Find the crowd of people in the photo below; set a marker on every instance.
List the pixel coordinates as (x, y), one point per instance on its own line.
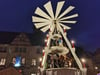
(58, 61)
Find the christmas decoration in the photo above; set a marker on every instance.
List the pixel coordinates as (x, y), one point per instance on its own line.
(57, 43)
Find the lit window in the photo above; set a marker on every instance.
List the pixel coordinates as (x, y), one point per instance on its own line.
(33, 74)
(13, 60)
(23, 60)
(3, 61)
(17, 61)
(34, 62)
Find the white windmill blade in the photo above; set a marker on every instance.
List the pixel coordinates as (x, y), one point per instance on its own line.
(73, 22)
(69, 17)
(38, 19)
(44, 29)
(49, 9)
(59, 7)
(70, 8)
(42, 13)
(64, 26)
(39, 25)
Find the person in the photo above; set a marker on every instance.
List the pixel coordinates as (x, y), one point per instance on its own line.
(52, 61)
(48, 60)
(61, 61)
(66, 61)
(60, 42)
(56, 60)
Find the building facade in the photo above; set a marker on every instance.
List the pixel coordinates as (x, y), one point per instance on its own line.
(17, 50)
(96, 59)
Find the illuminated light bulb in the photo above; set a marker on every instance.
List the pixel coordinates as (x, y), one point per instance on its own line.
(65, 29)
(73, 42)
(83, 62)
(40, 59)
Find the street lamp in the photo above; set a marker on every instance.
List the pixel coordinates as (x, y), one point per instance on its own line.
(83, 62)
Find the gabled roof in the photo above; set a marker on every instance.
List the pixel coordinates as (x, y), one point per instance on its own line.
(36, 38)
(7, 37)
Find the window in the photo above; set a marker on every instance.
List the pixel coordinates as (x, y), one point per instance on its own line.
(3, 49)
(16, 49)
(13, 60)
(3, 61)
(33, 74)
(24, 50)
(23, 61)
(33, 62)
(17, 61)
(20, 50)
(38, 51)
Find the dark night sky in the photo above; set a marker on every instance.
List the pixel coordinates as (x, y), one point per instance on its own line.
(15, 16)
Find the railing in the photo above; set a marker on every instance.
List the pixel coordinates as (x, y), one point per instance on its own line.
(63, 71)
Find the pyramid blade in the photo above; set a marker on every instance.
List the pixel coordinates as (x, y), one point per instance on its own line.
(69, 17)
(41, 13)
(64, 26)
(49, 9)
(59, 7)
(38, 19)
(44, 29)
(73, 22)
(39, 25)
(70, 8)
